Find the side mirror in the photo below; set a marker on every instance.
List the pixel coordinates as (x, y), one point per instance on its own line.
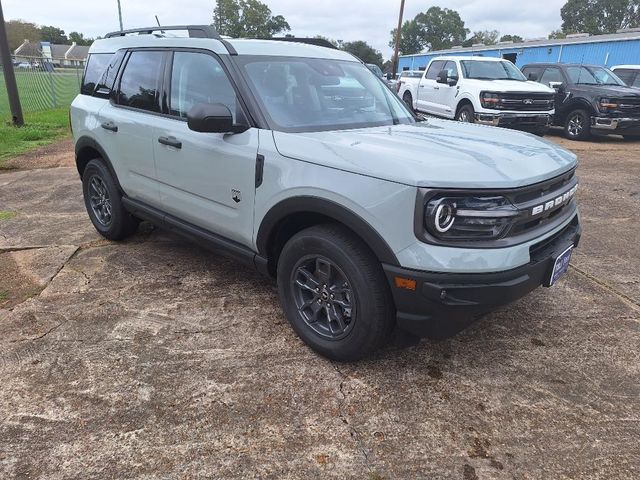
(212, 118)
(556, 85)
(533, 77)
(442, 76)
(452, 81)
(389, 76)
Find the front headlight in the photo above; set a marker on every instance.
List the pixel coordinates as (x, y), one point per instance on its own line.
(608, 104)
(489, 100)
(468, 218)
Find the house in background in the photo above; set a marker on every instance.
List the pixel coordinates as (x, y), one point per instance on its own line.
(59, 55)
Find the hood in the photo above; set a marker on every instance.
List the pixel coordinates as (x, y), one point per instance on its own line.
(433, 153)
(508, 86)
(617, 91)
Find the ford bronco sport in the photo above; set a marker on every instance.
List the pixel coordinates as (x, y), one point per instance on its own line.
(297, 160)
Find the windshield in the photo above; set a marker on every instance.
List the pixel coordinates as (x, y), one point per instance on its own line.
(479, 70)
(313, 94)
(593, 76)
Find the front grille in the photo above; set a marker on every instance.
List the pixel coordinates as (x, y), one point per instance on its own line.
(526, 102)
(629, 106)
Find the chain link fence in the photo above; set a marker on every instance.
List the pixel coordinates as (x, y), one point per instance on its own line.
(43, 83)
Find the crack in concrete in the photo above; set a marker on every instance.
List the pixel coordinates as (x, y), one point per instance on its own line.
(634, 304)
(353, 432)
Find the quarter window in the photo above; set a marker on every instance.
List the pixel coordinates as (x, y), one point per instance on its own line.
(199, 78)
(96, 65)
(141, 80)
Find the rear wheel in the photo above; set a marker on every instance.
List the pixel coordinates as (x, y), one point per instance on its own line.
(576, 125)
(466, 114)
(408, 100)
(334, 293)
(103, 201)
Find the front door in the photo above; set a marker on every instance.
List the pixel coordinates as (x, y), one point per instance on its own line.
(207, 179)
(445, 95)
(428, 88)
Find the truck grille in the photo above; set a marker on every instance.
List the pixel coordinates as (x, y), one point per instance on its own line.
(526, 102)
(629, 106)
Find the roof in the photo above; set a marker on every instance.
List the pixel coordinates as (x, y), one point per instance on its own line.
(626, 67)
(243, 46)
(469, 57)
(77, 52)
(542, 42)
(58, 51)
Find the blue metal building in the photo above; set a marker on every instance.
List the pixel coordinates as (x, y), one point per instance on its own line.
(622, 48)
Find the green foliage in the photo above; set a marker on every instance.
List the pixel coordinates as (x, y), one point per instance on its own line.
(40, 128)
(556, 34)
(79, 39)
(487, 37)
(6, 215)
(19, 30)
(436, 29)
(247, 19)
(511, 38)
(53, 34)
(364, 52)
(599, 16)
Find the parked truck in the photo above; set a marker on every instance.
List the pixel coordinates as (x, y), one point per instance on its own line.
(484, 90)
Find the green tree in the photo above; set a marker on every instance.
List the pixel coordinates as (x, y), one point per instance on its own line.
(599, 16)
(364, 52)
(436, 29)
(79, 39)
(487, 37)
(511, 38)
(557, 34)
(411, 38)
(53, 34)
(248, 19)
(18, 31)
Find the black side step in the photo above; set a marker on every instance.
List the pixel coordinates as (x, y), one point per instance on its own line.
(209, 240)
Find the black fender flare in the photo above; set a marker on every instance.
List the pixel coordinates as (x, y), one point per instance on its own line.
(326, 208)
(88, 142)
(576, 103)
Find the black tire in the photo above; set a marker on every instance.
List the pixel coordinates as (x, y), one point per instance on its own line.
(103, 202)
(408, 100)
(466, 114)
(355, 277)
(577, 125)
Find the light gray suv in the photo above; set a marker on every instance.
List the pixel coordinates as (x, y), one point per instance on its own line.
(297, 160)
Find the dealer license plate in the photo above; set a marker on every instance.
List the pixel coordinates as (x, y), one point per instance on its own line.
(560, 266)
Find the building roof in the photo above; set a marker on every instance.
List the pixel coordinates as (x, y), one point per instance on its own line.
(632, 34)
(58, 51)
(77, 52)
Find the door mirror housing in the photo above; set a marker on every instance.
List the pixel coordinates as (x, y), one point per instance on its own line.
(443, 77)
(212, 118)
(389, 76)
(557, 85)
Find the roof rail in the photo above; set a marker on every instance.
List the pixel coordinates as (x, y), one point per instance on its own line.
(318, 42)
(195, 31)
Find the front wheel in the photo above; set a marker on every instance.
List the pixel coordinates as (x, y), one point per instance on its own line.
(334, 293)
(577, 125)
(466, 114)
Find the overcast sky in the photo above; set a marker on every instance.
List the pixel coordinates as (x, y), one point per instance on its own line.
(369, 20)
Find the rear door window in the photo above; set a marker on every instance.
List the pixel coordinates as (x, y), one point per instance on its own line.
(141, 81)
(96, 65)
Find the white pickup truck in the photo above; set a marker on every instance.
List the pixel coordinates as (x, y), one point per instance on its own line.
(491, 91)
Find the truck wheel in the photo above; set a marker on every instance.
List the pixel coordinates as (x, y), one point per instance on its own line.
(104, 202)
(466, 114)
(334, 293)
(576, 125)
(408, 99)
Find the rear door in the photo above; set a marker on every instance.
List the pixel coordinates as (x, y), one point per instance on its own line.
(428, 88)
(206, 179)
(127, 123)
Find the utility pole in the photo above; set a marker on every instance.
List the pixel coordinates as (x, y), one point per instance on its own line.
(398, 33)
(120, 15)
(9, 75)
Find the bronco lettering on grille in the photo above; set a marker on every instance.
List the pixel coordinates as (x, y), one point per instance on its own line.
(560, 200)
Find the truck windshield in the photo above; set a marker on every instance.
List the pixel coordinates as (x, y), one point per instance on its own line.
(314, 94)
(488, 70)
(593, 76)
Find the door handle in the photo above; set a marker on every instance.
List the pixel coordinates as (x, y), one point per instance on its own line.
(112, 127)
(436, 88)
(170, 141)
(421, 86)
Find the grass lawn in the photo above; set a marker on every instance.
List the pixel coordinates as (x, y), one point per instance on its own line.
(40, 128)
(42, 90)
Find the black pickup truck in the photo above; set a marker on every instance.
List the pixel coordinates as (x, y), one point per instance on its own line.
(589, 100)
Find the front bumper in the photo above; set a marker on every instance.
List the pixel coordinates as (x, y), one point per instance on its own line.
(443, 304)
(520, 121)
(622, 126)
